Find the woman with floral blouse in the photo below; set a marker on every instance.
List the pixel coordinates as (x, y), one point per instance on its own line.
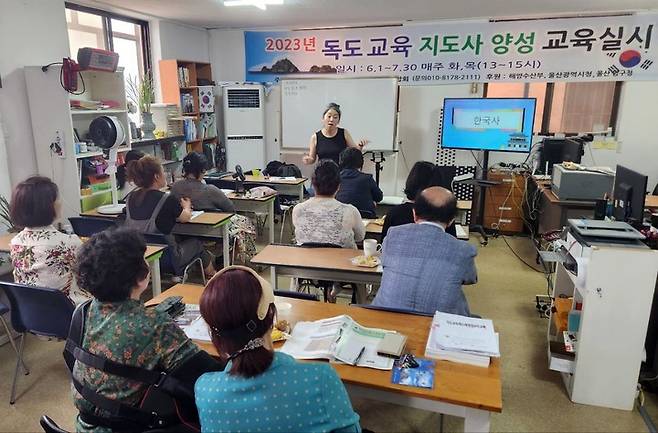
(41, 255)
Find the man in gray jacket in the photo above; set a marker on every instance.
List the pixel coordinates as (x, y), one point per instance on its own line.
(424, 267)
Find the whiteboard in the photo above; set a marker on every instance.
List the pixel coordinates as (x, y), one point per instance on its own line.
(368, 109)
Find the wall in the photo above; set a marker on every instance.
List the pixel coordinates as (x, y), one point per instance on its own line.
(40, 28)
(637, 132)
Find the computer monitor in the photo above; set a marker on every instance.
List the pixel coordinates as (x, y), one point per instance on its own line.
(629, 194)
(496, 124)
(557, 150)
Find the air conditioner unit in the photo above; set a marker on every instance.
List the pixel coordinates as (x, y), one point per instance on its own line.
(244, 126)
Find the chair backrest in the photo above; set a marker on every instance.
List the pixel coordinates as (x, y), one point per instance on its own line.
(50, 426)
(319, 245)
(221, 183)
(166, 260)
(39, 310)
(84, 226)
(296, 295)
(393, 310)
(655, 190)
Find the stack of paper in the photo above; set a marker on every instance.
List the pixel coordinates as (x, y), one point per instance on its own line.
(462, 339)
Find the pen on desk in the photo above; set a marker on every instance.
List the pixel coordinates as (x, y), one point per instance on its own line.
(358, 357)
(340, 334)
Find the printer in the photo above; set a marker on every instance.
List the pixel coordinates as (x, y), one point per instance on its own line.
(573, 182)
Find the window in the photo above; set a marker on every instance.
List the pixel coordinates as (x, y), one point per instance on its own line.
(569, 108)
(126, 36)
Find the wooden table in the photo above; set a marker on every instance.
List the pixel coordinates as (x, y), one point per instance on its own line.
(331, 264)
(651, 202)
(283, 186)
(152, 257)
(553, 212)
(243, 203)
(208, 224)
(459, 390)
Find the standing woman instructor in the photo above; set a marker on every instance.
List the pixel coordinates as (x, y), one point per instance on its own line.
(331, 140)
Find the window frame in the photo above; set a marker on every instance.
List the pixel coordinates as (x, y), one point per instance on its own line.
(108, 35)
(548, 105)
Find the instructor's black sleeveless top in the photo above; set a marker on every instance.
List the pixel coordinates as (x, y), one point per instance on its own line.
(330, 148)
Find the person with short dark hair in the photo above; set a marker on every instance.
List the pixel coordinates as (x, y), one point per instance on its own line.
(357, 188)
(124, 185)
(260, 389)
(424, 267)
(40, 254)
(423, 174)
(322, 218)
(117, 327)
(329, 141)
(149, 210)
(202, 195)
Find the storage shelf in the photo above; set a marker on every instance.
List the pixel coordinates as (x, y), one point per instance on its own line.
(75, 112)
(167, 162)
(99, 153)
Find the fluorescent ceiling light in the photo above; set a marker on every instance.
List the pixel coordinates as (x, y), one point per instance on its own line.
(260, 4)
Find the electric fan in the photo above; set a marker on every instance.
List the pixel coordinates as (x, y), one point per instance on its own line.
(108, 134)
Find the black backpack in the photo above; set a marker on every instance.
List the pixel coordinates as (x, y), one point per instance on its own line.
(289, 170)
(272, 168)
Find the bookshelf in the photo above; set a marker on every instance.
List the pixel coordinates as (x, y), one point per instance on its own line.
(80, 176)
(190, 86)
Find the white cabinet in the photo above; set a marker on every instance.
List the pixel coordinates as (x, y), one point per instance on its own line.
(53, 121)
(615, 285)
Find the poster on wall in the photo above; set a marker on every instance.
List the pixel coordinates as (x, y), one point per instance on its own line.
(612, 48)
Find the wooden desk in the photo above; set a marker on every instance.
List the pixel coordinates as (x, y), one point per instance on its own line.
(285, 187)
(152, 256)
(331, 264)
(553, 212)
(651, 202)
(209, 224)
(256, 205)
(459, 390)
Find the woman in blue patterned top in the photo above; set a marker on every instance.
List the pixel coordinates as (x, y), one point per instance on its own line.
(261, 390)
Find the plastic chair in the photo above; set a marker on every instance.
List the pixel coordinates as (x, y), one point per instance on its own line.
(37, 310)
(50, 426)
(83, 226)
(4, 309)
(296, 295)
(167, 260)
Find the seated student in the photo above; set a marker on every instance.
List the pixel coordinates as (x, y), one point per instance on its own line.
(422, 175)
(149, 210)
(323, 219)
(209, 197)
(357, 188)
(117, 327)
(40, 254)
(125, 185)
(203, 196)
(424, 267)
(260, 389)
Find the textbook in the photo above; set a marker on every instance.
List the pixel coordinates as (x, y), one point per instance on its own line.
(339, 339)
(462, 339)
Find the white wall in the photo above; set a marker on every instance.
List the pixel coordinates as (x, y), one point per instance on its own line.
(637, 132)
(32, 32)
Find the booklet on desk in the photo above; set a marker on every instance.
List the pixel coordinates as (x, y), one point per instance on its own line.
(339, 339)
(462, 339)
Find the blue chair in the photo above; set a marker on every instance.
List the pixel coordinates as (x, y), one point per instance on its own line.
(39, 311)
(86, 227)
(167, 260)
(296, 295)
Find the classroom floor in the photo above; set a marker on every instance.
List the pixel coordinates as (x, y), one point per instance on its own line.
(534, 398)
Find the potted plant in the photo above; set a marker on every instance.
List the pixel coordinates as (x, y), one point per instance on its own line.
(5, 222)
(140, 93)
